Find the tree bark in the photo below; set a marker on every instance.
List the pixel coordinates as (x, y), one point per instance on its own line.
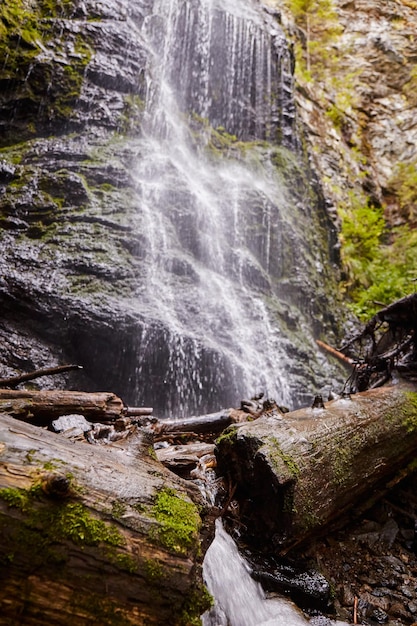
(295, 474)
(94, 534)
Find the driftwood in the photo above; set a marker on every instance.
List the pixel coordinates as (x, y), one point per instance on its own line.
(297, 473)
(183, 459)
(387, 343)
(214, 423)
(202, 424)
(41, 407)
(94, 535)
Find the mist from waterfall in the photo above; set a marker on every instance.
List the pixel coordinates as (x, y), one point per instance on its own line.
(214, 212)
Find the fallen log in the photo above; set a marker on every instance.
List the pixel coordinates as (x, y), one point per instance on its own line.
(41, 407)
(210, 423)
(295, 474)
(94, 535)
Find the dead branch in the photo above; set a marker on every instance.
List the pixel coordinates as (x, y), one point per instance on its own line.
(13, 381)
(336, 353)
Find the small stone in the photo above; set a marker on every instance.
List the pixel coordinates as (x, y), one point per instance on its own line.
(379, 616)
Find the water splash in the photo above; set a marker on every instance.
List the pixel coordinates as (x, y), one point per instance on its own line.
(239, 599)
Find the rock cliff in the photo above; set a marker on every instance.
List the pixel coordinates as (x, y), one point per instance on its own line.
(72, 109)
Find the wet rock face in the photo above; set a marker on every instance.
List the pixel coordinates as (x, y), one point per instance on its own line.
(75, 247)
(374, 129)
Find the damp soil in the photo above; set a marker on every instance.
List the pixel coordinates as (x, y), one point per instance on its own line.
(371, 564)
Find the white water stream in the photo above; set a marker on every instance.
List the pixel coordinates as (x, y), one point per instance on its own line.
(240, 601)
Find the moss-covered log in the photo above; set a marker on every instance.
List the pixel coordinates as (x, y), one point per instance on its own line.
(94, 534)
(297, 473)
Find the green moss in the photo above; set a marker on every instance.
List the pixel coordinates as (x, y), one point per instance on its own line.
(278, 456)
(118, 509)
(26, 31)
(18, 498)
(152, 453)
(105, 612)
(154, 572)
(410, 417)
(179, 522)
(198, 601)
(228, 436)
(46, 524)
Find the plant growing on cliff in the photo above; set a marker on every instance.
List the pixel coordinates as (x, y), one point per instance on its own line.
(43, 85)
(380, 265)
(404, 185)
(319, 27)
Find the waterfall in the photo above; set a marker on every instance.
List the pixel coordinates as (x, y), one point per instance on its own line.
(225, 256)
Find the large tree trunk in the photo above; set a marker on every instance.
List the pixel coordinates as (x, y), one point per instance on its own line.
(294, 474)
(94, 534)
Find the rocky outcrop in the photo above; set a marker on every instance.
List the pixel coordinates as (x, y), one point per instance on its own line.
(77, 249)
(360, 113)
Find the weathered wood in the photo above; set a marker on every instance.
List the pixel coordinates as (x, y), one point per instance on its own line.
(94, 535)
(13, 381)
(44, 406)
(210, 423)
(134, 411)
(297, 473)
(346, 360)
(182, 459)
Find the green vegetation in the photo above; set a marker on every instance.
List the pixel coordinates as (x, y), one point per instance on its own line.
(198, 601)
(319, 23)
(379, 266)
(404, 184)
(278, 456)
(379, 261)
(179, 522)
(410, 418)
(45, 86)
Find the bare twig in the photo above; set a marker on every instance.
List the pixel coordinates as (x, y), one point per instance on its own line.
(339, 355)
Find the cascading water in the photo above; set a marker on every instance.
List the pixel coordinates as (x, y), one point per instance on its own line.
(227, 256)
(240, 600)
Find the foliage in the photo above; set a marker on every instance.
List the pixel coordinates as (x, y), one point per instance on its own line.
(380, 265)
(404, 184)
(319, 23)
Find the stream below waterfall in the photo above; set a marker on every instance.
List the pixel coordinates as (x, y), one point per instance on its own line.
(240, 600)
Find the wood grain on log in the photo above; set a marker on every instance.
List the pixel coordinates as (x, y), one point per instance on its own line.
(297, 473)
(94, 535)
(44, 406)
